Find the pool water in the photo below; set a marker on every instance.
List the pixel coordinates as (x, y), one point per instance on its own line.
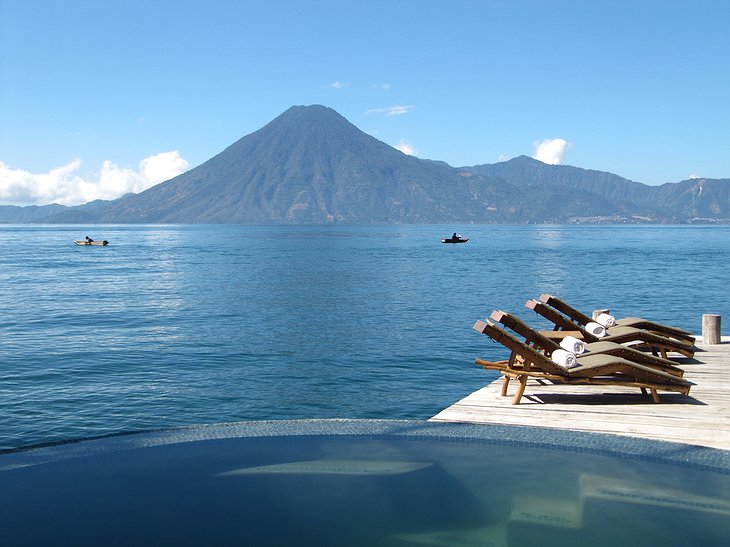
(362, 482)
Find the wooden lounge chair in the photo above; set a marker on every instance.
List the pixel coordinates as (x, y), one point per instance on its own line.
(659, 345)
(548, 345)
(636, 322)
(526, 362)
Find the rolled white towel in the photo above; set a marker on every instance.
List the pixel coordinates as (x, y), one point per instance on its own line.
(606, 320)
(564, 359)
(596, 330)
(573, 345)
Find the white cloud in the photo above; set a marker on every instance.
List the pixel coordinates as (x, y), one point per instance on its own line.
(694, 176)
(503, 157)
(391, 110)
(163, 166)
(382, 86)
(551, 151)
(337, 85)
(65, 186)
(406, 148)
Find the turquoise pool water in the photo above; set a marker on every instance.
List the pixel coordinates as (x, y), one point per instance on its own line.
(364, 482)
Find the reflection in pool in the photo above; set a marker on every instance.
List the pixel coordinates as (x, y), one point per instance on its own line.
(340, 482)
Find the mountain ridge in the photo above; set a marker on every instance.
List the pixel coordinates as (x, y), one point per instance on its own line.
(310, 165)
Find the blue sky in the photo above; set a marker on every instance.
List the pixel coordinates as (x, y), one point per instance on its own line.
(101, 98)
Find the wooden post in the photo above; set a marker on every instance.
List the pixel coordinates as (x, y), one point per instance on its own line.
(711, 329)
(596, 313)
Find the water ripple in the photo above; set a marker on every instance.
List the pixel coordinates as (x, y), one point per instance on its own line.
(177, 325)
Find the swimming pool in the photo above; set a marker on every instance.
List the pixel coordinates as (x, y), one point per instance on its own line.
(364, 482)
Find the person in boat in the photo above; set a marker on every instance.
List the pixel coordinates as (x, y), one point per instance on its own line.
(455, 237)
(88, 239)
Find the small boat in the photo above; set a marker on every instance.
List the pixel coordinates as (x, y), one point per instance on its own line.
(456, 238)
(92, 242)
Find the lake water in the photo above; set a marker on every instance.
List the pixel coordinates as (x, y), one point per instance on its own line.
(183, 325)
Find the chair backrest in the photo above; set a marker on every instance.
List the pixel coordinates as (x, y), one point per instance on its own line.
(532, 337)
(565, 308)
(560, 321)
(530, 355)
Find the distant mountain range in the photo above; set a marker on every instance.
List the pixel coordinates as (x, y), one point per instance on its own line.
(311, 166)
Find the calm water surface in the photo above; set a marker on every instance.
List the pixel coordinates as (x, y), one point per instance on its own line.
(365, 483)
(177, 325)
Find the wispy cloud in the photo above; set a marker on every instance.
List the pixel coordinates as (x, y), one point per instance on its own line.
(551, 151)
(338, 85)
(406, 147)
(65, 186)
(382, 86)
(391, 110)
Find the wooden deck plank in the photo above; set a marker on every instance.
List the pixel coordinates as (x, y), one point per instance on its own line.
(700, 418)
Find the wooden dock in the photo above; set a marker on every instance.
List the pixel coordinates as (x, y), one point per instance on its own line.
(700, 418)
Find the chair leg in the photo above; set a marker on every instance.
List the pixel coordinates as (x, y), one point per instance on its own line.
(505, 384)
(652, 392)
(520, 389)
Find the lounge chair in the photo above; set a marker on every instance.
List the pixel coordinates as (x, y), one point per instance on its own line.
(659, 345)
(548, 345)
(636, 322)
(526, 362)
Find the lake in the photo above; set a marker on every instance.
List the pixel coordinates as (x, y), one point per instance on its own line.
(182, 325)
